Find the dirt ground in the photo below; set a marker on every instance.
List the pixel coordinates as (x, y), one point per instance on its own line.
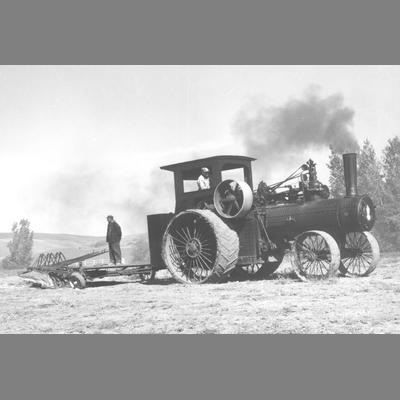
(279, 305)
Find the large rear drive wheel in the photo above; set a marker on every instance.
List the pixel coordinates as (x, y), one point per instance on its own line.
(316, 254)
(360, 254)
(198, 247)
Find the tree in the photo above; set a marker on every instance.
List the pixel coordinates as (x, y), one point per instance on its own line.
(336, 178)
(391, 165)
(371, 182)
(20, 246)
(391, 170)
(370, 176)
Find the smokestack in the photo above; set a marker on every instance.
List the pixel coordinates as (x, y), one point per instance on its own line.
(350, 173)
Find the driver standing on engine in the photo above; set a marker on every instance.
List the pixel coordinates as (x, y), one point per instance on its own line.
(203, 182)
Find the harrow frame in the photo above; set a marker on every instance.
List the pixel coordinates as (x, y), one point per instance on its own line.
(62, 271)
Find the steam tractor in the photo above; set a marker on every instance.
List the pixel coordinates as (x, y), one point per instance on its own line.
(234, 226)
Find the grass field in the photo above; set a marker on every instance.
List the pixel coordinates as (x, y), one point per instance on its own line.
(279, 305)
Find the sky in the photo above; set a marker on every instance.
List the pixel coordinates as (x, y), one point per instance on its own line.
(80, 142)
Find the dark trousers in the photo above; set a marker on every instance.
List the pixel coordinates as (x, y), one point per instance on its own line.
(115, 252)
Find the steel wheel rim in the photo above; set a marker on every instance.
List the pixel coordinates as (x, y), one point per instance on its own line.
(313, 256)
(77, 281)
(192, 248)
(361, 258)
(76, 284)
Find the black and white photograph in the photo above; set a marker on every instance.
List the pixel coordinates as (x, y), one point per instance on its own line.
(200, 199)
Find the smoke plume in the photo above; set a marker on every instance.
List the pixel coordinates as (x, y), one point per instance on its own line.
(275, 135)
(78, 201)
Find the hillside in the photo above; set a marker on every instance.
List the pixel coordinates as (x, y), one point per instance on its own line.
(134, 247)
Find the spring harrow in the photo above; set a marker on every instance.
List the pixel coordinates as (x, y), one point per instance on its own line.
(47, 259)
(51, 270)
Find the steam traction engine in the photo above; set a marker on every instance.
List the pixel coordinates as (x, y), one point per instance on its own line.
(231, 226)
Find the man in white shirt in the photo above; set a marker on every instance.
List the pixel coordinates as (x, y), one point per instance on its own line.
(203, 182)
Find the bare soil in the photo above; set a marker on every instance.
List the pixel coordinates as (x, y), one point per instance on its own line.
(279, 305)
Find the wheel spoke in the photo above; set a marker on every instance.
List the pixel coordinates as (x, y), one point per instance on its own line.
(201, 235)
(177, 259)
(316, 254)
(354, 241)
(184, 234)
(324, 268)
(188, 232)
(182, 237)
(304, 247)
(178, 240)
(312, 268)
(361, 254)
(207, 247)
(309, 263)
(319, 245)
(352, 263)
(316, 266)
(318, 271)
(202, 262)
(205, 257)
(194, 229)
(207, 251)
(326, 265)
(195, 268)
(311, 243)
(359, 265)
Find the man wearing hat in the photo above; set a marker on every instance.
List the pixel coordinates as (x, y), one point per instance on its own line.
(113, 239)
(203, 182)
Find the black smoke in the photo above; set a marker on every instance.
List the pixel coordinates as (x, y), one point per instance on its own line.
(278, 135)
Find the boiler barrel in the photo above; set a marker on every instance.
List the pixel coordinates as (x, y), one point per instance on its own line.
(332, 215)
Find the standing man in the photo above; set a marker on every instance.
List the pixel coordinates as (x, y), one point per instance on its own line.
(113, 239)
(203, 182)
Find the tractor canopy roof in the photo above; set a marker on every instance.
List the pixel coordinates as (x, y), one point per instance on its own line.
(187, 193)
(190, 169)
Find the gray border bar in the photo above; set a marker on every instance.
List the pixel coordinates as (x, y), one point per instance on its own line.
(199, 32)
(199, 367)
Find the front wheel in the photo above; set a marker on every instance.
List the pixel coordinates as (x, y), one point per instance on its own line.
(316, 254)
(360, 254)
